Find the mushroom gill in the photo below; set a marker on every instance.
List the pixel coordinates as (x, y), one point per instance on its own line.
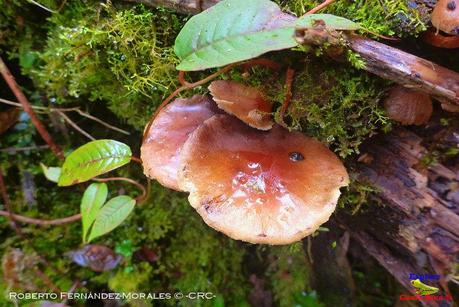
(272, 187)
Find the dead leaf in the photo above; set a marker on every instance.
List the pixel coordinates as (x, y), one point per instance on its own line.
(98, 258)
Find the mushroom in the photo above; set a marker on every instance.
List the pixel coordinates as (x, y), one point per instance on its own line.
(160, 151)
(407, 106)
(445, 16)
(272, 187)
(245, 102)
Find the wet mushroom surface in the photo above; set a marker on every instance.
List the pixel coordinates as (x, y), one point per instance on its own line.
(160, 151)
(272, 187)
(445, 16)
(245, 102)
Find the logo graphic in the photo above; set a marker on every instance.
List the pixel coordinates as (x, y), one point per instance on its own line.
(423, 289)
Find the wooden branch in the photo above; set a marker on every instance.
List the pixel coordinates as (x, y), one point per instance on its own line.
(407, 69)
(382, 60)
(28, 108)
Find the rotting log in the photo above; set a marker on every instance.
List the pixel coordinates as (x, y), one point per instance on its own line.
(412, 224)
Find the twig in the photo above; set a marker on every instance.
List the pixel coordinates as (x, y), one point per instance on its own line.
(76, 109)
(100, 121)
(30, 220)
(74, 125)
(319, 7)
(42, 6)
(139, 198)
(181, 89)
(28, 108)
(14, 149)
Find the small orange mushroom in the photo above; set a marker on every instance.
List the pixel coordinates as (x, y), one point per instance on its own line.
(445, 16)
(407, 106)
(160, 151)
(245, 102)
(272, 187)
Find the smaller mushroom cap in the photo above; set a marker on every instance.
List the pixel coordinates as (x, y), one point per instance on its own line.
(245, 102)
(445, 16)
(160, 151)
(272, 187)
(408, 107)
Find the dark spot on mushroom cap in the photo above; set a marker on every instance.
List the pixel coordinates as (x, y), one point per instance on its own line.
(296, 156)
(451, 5)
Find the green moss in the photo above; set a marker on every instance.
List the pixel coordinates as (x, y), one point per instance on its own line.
(288, 273)
(120, 56)
(385, 17)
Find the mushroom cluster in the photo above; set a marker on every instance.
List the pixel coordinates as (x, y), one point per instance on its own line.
(271, 187)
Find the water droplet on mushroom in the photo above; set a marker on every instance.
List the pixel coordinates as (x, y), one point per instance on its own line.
(296, 156)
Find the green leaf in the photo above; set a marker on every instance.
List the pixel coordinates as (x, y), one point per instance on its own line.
(233, 31)
(93, 159)
(111, 215)
(93, 199)
(51, 173)
(332, 22)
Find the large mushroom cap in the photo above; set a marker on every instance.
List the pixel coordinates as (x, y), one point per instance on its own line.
(160, 151)
(245, 102)
(445, 16)
(271, 187)
(408, 107)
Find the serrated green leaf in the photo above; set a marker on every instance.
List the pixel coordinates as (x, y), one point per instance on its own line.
(51, 173)
(233, 31)
(93, 159)
(332, 22)
(112, 214)
(93, 199)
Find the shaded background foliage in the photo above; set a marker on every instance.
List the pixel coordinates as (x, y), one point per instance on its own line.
(116, 62)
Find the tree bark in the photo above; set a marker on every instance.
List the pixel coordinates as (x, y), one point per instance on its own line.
(412, 224)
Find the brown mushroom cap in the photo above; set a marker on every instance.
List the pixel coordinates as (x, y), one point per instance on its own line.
(271, 187)
(160, 151)
(407, 106)
(245, 102)
(445, 16)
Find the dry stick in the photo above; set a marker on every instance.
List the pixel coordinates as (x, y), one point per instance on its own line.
(28, 108)
(74, 125)
(76, 109)
(16, 149)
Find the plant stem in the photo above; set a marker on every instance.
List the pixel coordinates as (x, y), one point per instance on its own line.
(319, 7)
(28, 108)
(30, 220)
